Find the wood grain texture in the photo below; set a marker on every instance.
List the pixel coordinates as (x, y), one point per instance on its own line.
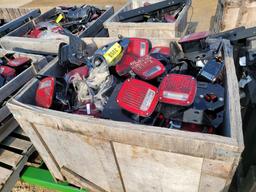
(9, 158)
(88, 157)
(5, 174)
(149, 170)
(17, 143)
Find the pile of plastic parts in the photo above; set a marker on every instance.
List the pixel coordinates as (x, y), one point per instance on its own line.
(10, 66)
(129, 80)
(73, 19)
(165, 11)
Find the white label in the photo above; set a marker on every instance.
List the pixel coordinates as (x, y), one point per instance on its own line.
(242, 61)
(142, 49)
(175, 95)
(147, 100)
(152, 71)
(200, 63)
(88, 108)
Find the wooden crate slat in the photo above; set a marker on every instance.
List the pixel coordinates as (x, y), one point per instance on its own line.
(4, 113)
(10, 158)
(4, 175)
(17, 143)
(7, 128)
(19, 131)
(13, 175)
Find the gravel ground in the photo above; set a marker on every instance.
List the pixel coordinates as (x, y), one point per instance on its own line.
(24, 187)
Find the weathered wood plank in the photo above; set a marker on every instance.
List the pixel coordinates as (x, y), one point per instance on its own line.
(4, 113)
(7, 127)
(12, 178)
(211, 183)
(41, 148)
(9, 157)
(5, 174)
(88, 157)
(17, 143)
(157, 170)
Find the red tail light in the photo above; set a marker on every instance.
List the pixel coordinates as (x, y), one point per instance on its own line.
(82, 72)
(138, 97)
(45, 92)
(147, 67)
(6, 71)
(138, 47)
(18, 61)
(35, 33)
(178, 89)
(124, 66)
(162, 50)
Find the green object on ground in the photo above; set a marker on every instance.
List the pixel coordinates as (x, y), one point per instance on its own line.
(43, 178)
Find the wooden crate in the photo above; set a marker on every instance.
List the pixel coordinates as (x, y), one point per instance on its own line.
(15, 18)
(106, 155)
(91, 31)
(146, 29)
(38, 62)
(234, 13)
(14, 153)
(7, 123)
(8, 14)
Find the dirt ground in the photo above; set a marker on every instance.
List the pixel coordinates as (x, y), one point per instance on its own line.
(24, 187)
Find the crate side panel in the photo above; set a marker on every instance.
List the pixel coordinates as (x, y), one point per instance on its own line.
(88, 157)
(149, 170)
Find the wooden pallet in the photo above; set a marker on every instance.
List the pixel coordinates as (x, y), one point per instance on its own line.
(14, 153)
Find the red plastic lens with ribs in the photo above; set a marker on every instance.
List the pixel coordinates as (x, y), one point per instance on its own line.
(177, 89)
(138, 47)
(138, 97)
(147, 67)
(45, 92)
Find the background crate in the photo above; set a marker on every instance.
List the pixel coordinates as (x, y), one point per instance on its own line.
(8, 14)
(14, 18)
(95, 27)
(7, 123)
(38, 62)
(105, 155)
(146, 29)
